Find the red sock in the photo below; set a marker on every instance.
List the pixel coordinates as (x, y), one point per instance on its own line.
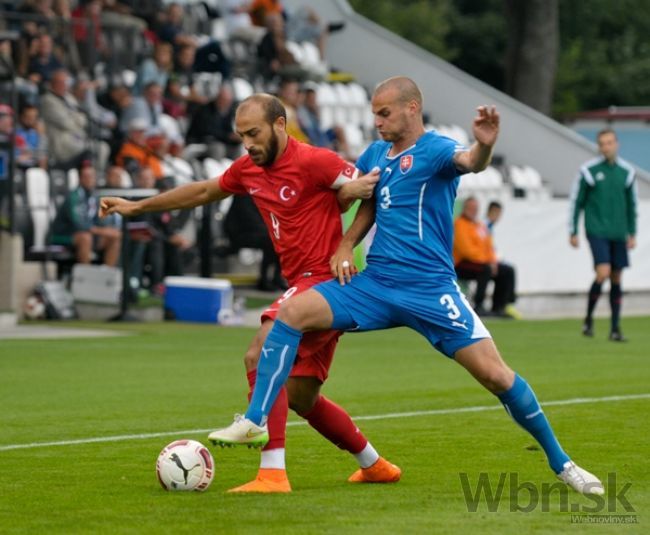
(335, 425)
(277, 420)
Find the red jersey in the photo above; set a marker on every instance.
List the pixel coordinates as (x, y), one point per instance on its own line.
(296, 197)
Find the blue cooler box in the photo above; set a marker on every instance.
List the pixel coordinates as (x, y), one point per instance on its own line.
(197, 299)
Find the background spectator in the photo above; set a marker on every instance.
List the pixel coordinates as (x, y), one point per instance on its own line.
(31, 142)
(158, 244)
(101, 120)
(274, 57)
(66, 125)
(43, 62)
(88, 32)
(134, 154)
(289, 94)
(493, 215)
(238, 21)
(476, 259)
(261, 10)
(148, 107)
(6, 122)
(213, 124)
(76, 224)
(155, 69)
(308, 114)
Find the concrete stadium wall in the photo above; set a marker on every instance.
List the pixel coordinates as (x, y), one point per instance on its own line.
(373, 53)
(534, 236)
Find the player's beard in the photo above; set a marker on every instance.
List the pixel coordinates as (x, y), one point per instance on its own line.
(270, 151)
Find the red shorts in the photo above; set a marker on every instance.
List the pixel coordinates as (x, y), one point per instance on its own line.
(316, 349)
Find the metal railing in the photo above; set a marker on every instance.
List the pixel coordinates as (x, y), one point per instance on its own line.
(121, 46)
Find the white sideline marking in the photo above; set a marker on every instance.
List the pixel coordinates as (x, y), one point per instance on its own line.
(390, 415)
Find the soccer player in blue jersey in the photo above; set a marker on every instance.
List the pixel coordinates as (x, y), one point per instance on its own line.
(409, 279)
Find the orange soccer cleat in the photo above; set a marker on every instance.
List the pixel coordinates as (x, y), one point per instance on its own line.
(268, 480)
(380, 472)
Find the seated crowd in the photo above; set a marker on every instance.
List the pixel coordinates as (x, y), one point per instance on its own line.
(113, 91)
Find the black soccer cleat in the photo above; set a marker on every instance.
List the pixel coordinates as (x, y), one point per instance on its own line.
(588, 328)
(617, 336)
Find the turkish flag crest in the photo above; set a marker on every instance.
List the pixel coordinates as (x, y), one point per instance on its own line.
(405, 163)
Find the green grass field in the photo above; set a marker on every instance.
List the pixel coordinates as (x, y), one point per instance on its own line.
(175, 378)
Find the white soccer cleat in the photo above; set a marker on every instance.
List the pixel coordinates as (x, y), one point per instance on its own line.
(580, 480)
(241, 431)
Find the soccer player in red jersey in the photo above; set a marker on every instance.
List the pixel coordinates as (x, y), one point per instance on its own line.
(300, 192)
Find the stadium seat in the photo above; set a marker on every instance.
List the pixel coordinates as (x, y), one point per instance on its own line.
(194, 150)
(212, 168)
(312, 61)
(126, 181)
(73, 179)
(325, 95)
(459, 134)
(170, 127)
(181, 170)
(129, 77)
(225, 163)
(311, 54)
(242, 89)
(327, 119)
(355, 139)
(37, 184)
(37, 187)
(207, 83)
(219, 30)
(534, 178)
(358, 94)
(296, 51)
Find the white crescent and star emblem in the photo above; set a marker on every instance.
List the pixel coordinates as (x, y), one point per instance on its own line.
(284, 195)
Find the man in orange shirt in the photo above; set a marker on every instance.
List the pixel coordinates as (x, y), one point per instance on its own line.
(475, 259)
(135, 153)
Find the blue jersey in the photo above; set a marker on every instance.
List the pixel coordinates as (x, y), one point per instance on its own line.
(414, 209)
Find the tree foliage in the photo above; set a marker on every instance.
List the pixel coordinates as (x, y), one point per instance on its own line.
(604, 56)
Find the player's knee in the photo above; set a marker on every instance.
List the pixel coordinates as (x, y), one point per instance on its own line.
(603, 272)
(302, 394)
(291, 314)
(301, 401)
(498, 379)
(82, 239)
(251, 358)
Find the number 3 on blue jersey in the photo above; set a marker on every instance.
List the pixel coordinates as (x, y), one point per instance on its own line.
(385, 197)
(448, 301)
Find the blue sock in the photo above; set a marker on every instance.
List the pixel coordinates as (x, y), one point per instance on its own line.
(520, 403)
(276, 360)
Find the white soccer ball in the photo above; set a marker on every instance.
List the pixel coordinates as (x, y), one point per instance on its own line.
(185, 465)
(34, 308)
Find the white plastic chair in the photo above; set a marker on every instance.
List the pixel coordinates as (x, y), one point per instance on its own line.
(37, 184)
(242, 89)
(73, 179)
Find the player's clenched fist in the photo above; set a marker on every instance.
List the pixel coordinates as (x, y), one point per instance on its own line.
(117, 205)
(364, 186)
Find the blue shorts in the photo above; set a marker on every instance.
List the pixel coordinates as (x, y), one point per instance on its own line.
(440, 313)
(612, 252)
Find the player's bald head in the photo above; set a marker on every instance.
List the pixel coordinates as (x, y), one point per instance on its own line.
(404, 89)
(270, 106)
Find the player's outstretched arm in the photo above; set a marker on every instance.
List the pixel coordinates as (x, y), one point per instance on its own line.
(342, 262)
(185, 196)
(360, 188)
(486, 130)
